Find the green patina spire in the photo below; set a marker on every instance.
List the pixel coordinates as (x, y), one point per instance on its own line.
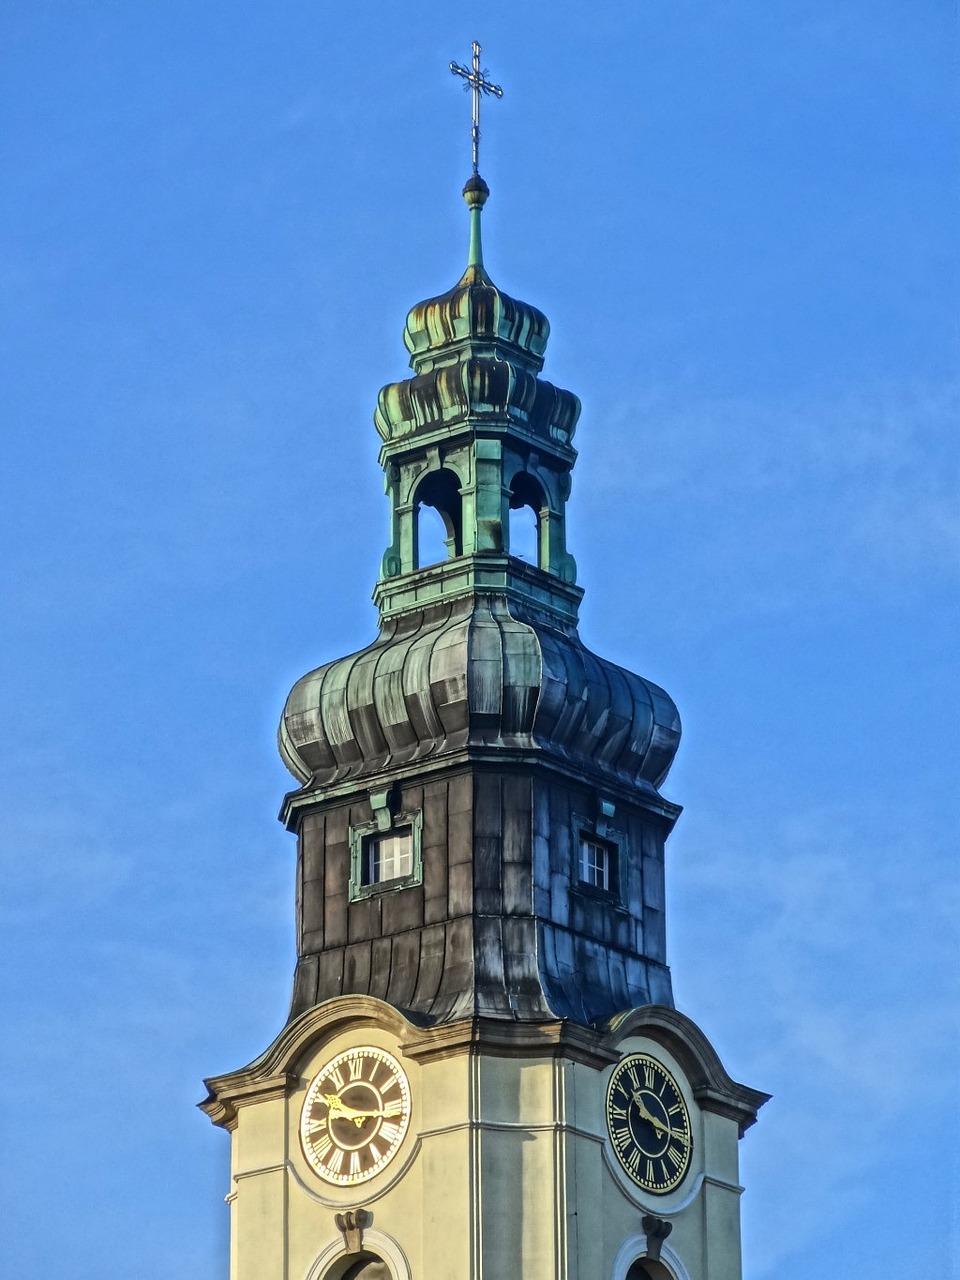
(475, 193)
(477, 434)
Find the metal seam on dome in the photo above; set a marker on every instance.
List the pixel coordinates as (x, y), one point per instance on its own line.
(415, 640)
(323, 674)
(364, 727)
(441, 736)
(651, 730)
(622, 710)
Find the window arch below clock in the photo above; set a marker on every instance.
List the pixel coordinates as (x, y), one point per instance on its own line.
(645, 1269)
(370, 1267)
(632, 1264)
(380, 1253)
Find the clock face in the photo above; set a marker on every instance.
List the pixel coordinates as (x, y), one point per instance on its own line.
(649, 1124)
(355, 1116)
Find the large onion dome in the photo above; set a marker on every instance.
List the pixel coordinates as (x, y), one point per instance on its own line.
(472, 674)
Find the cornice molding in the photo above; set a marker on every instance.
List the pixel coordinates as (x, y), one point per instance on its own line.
(713, 1089)
(491, 1037)
(274, 1073)
(644, 797)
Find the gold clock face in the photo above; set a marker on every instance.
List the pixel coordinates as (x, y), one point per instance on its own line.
(355, 1116)
(649, 1124)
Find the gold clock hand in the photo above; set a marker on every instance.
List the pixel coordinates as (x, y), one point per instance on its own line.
(357, 1114)
(659, 1124)
(642, 1108)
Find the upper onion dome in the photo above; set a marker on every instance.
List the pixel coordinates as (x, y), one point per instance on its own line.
(475, 352)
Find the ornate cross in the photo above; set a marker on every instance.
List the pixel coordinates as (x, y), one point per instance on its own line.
(476, 80)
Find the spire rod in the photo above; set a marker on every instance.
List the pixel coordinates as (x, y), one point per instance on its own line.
(476, 80)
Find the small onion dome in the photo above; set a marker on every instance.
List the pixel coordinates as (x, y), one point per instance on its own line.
(476, 353)
(475, 311)
(470, 674)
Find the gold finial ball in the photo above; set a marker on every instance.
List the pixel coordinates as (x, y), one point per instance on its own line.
(475, 192)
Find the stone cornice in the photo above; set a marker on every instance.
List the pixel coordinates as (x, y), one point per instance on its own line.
(495, 1038)
(274, 1074)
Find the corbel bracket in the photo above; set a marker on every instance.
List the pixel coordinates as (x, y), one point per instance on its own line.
(351, 1226)
(656, 1231)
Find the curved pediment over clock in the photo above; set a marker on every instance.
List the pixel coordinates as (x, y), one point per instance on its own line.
(711, 1085)
(276, 1071)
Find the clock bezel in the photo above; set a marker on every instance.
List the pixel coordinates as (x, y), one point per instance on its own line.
(360, 1089)
(655, 1168)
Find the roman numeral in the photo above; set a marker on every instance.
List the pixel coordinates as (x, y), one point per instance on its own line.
(676, 1110)
(648, 1075)
(621, 1134)
(390, 1131)
(355, 1068)
(649, 1173)
(675, 1156)
(618, 1113)
(632, 1073)
(337, 1078)
(354, 1162)
(335, 1163)
(633, 1159)
(323, 1146)
(374, 1152)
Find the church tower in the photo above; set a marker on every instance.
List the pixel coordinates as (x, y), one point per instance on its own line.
(483, 1074)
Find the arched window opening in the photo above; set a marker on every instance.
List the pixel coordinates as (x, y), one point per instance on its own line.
(431, 537)
(648, 1269)
(526, 507)
(638, 1272)
(369, 1267)
(439, 518)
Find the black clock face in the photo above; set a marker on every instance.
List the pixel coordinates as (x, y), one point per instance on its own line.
(649, 1124)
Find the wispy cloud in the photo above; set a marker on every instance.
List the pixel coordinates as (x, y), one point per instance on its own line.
(784, 498)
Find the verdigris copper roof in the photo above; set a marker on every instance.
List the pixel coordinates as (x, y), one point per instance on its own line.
(476, 353)
(477, 731)
(475, 674)
(480, 650)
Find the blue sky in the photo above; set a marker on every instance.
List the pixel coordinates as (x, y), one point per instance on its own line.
(741, 221)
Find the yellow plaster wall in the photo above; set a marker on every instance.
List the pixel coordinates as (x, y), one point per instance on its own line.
(504, 1173)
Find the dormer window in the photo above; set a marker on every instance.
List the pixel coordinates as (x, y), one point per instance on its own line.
(599, 854)
(385, 853)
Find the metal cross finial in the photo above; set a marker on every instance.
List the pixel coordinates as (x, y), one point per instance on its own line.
(476, 80)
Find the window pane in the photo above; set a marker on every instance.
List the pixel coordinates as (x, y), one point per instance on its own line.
(594, 863)
(388, 857)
